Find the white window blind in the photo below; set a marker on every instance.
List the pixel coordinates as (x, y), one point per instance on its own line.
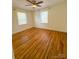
(22, 18)
(44, 17)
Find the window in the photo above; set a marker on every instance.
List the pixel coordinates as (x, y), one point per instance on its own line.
(44, 17)
(22, 19)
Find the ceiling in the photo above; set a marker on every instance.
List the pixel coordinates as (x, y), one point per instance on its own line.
(21, 4)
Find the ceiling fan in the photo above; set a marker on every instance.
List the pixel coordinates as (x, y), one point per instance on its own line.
(34, 3)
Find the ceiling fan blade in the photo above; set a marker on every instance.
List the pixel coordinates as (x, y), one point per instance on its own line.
(39, 2)
(38, 5)
(30, 1)
(28, 5)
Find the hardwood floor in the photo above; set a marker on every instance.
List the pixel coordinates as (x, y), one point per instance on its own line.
(38, 43)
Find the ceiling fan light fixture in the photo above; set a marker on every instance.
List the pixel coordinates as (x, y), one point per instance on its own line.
(34, 6)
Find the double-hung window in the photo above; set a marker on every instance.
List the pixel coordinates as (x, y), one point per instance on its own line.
(22, 18)
(44, 17)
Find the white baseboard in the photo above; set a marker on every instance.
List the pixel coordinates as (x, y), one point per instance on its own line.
(38, 27)
(21, 30)
(52, 29)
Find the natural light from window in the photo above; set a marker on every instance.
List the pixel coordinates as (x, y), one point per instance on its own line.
(44, 17)
(22, 18)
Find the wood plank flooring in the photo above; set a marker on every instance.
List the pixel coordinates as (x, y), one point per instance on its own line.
(35, 43)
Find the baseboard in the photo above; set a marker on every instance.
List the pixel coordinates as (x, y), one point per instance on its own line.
(39, 28)
(51, 29)
(21, 30)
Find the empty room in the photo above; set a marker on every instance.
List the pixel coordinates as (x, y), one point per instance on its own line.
(39, 29)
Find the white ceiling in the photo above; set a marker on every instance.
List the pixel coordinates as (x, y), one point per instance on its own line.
(21, 4)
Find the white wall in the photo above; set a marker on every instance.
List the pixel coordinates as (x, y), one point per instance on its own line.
(57, 18)
(17, 28)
